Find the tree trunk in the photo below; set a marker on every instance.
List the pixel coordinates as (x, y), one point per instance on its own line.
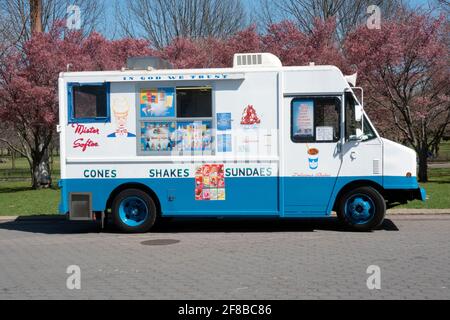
(423, 165)
(36, 15)
(51, 158)
(13, 160)
(40, 172)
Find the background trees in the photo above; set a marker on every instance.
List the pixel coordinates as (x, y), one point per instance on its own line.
(161, 21)
(404, 66)
(347, 14)
(16, 17)
(29, 80)
(405, 70)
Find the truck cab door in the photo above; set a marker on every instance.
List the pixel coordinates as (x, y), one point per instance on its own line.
(362, 151)
(312, 159)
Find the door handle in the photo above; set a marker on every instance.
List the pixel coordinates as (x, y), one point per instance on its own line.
(353, 155)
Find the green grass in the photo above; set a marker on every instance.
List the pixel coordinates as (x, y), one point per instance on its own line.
(17, 198)
(444, 151)
(22, 168)
(16, 195)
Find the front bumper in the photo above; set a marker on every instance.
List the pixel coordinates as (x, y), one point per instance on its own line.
(402, 196)
(420, 194)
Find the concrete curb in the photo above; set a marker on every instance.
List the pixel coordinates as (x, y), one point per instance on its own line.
(422, 212)
(33, 218)
(390, 212)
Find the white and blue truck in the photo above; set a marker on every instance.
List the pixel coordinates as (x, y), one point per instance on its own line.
(255, 140)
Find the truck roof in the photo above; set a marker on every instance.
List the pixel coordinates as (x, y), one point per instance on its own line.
(248, 69)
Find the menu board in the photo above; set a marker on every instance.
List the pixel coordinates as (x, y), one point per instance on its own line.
(157, 102)
(176, 136)
(157, 136)
(193, 136)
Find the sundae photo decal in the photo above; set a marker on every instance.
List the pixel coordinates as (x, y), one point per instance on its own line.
(210, 182)
(121, 109)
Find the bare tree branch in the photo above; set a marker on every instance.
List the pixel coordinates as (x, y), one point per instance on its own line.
(15, 20)
(348, 13)
(160, 21)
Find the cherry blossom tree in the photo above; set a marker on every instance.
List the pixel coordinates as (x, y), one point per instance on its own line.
(210, 52)
(295, 47)
(405, 70)
(28, 86)
(283, 39)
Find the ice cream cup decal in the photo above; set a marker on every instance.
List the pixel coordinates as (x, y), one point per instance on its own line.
(313, 158)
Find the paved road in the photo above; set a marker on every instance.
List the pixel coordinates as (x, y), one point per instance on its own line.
(228, 260)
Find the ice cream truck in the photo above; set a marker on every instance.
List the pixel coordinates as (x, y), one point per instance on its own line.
(255, 140)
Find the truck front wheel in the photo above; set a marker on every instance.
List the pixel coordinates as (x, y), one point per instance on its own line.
(133, 211)
(362, 208)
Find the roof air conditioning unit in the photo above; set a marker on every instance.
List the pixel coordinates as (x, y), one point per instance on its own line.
(244, 60)
(147, 63)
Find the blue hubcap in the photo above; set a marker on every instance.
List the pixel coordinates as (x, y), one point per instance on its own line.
(133, 211)
(359, 209)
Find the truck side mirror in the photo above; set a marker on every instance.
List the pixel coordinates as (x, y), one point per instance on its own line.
(358, 113)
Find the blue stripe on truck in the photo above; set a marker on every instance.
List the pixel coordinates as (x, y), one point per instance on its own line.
(244, 196)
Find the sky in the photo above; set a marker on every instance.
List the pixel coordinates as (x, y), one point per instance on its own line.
(111, 30)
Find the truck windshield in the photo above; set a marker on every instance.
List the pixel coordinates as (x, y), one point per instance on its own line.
(350, 123)
(368, 132)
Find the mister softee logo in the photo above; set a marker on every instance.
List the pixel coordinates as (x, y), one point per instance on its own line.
(82, 143)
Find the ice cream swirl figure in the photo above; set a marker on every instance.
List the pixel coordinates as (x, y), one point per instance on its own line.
(120, 109)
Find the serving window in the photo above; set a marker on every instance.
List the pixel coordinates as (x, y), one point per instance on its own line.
(194, 102)
(88, 102)
(175, 120)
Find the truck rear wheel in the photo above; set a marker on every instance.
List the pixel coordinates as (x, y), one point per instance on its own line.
(363, 208)
(133, 211)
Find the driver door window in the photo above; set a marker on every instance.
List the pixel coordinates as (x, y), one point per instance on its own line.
(315, 119)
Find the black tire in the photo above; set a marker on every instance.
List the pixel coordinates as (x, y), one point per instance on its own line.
(142, 197)
(377, 211)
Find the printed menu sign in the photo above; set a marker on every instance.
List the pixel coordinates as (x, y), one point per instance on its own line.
(224, 142)
(223, 121)
(324, 133)
(303, 118)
